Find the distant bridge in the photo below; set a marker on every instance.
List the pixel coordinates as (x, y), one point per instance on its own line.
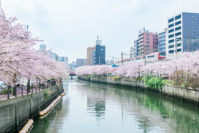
(72, 73)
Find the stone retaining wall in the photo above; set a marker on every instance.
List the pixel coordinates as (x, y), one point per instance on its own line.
(189, 95)
(14, 110)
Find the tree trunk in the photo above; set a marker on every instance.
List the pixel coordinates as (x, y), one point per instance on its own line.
(28, 86)
(15, 87)
(15, 90)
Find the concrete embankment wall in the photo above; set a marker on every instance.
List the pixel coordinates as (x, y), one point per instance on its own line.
(188, 95)
(15, 111)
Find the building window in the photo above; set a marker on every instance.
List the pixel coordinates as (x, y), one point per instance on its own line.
(177, 34)
(171, 25)
(171, 46)
(156, 42)
(147, 34)
(178, 28)
(147, 37)
(171, 30)
(171, 51)
(177, 23)
(178, 50)
(193, 16)
(195, 27)
(193, 21)
(171, 41)
(156, 35)
(150, 56)
(147, 52)
(195, 44)
(170, 20)
(194, 33)
(147, 41)
(147, 45)
(178, 17)
(102, 49)
(179, 44)
(171, 35)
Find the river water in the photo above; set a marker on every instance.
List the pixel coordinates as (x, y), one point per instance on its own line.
(100, 108)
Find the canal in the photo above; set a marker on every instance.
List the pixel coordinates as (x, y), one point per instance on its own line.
(100, 108)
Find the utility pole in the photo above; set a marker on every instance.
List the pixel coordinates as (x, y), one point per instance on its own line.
(122, 57)
(144, 55)
(113, 59)
(99, 60)
(176, 46)
(189, 40)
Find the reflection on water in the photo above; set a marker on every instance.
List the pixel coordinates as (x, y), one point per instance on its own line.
(99, 108)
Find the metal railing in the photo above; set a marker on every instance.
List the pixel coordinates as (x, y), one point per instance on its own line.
(8, 92)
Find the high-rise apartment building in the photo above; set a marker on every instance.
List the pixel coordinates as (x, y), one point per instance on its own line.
(163, 38)
(90, 51)
(147, 42)
(81, 62)
(178, 27)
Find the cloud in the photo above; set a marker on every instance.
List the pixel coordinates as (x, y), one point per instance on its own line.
(137, 6)
(179, 6)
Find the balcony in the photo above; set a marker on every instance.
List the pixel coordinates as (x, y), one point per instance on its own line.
(140, 48)
(140, 40)
(140, 44)
(140, 37)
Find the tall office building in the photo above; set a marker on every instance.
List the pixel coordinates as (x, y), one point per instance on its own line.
(90, 51)
(178, 26)
(147, 42)
(96, 54)
(163, 38)
(72, 66)
(99, 53)
(81, 62)
(63, 59)
(50, 53)
(42, 47)
(131, 52)
(135, 48)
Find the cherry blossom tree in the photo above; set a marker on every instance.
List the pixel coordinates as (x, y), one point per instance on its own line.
(20, 60)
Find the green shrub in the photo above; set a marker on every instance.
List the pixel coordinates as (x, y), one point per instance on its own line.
(147, 78)
(171, 82)
(115, 78)
(184, 85)
(155, 82)
(89, 77)
(46, 94)
(6, 91)
(139, 78)
(31, 87)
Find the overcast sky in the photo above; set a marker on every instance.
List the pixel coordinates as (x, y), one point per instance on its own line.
(70, 26)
